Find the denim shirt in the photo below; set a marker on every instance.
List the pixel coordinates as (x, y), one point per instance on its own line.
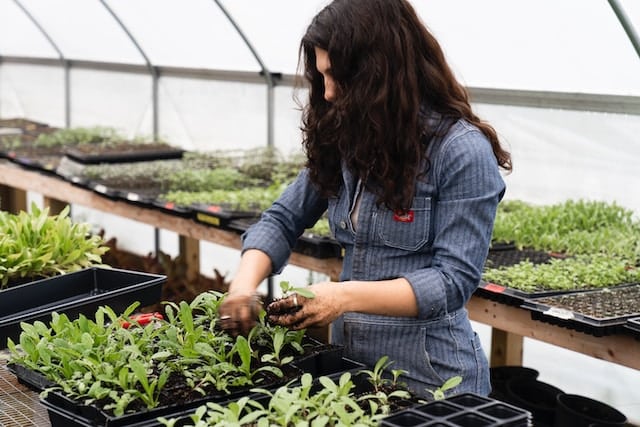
(440, 248)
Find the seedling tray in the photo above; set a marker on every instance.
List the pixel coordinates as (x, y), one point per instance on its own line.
(40, 160)
(466, 409)
(104, 190)
(173, 208)
(513, 296)
(633, 326)
(505, 255)
(80, 292)
(318, 246)
(307, 244)
(135, 153)
(32, 379)
(65, 412)
(594, 312)
(220, 215)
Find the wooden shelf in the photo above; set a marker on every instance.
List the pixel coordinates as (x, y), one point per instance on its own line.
(510, 324)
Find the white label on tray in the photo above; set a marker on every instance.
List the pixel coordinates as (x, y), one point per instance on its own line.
(561, 313)
(133, 197)
(100, 188)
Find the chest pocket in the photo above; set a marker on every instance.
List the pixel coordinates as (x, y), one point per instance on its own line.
(409, 232)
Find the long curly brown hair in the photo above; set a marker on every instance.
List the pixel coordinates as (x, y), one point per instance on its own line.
(387, 66)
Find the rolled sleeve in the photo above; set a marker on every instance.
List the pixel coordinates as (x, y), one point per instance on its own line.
(297, 208)
(469, 189)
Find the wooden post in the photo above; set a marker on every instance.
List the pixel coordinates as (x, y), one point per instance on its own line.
(190, 251)
(55, 206)
(506, 348)
(12, 199)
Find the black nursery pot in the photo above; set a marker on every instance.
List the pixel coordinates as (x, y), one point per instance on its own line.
(580, 411)
(538, 397)
(500, 375)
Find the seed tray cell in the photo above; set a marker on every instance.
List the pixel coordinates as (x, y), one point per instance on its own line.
(466, 409)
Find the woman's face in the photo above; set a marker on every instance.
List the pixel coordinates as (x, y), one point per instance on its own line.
(323, 65)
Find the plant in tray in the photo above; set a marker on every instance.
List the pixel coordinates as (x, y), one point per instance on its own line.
(78, 136)
(246, 199)
(574, 227)
(222, 178)
(568, 246)
(181, 358)
(36, 245)
(575, 273)
(321, 401)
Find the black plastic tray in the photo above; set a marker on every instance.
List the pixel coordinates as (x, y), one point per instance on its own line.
(318, 246)
(633, 326)
(219, 215)
(308, 244)
(173, 208)
(65, 412)
(466, 409)
(325, 363)
(557, 310)
(505, 255)
(156, 153)
(45, 163)
(513, 296)
(80, 292)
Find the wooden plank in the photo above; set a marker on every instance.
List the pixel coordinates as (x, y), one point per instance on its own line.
(619, 348)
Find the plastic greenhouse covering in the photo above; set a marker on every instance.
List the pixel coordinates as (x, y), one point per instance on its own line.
(559, 80)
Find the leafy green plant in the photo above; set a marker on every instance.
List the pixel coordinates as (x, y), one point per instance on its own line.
(574, 227)
(377, 376)
(600, 242)
(245, 199)
(580, 272)
(320, 402)
(78, 135)
(222, 178)
(288, 289)
(451, 383)
(37, 244)
(124, 368)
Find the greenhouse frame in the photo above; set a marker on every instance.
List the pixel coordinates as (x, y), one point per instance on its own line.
(559, 81)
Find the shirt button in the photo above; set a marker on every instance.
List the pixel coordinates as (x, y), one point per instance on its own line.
(343, 224)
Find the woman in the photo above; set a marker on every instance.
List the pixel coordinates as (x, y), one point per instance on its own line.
(410, 178)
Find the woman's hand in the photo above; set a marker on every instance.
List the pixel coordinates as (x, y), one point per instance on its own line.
(298, 312)
(239, 311)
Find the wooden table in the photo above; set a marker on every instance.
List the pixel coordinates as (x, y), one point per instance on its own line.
(509, 323)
